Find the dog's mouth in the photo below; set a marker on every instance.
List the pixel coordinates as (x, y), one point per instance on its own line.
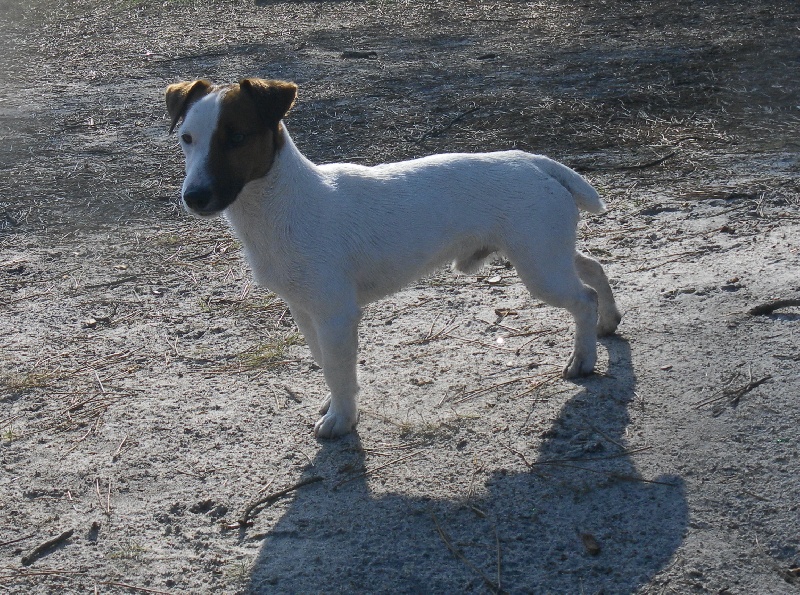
(204, 202)
(206, 214)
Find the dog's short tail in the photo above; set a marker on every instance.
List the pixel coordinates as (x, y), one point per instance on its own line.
(585, 196)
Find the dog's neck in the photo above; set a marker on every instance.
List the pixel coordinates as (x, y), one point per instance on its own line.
(288, 161)
(290, 170)
(261, 213)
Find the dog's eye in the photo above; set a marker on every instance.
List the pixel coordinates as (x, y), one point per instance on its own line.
(186, 138)
(237, 139)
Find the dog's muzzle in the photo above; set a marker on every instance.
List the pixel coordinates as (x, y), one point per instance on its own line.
(200, 201)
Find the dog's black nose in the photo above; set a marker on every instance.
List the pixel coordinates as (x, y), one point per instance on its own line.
(198, 199)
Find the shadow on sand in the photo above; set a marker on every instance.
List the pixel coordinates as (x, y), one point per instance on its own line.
(582, 520)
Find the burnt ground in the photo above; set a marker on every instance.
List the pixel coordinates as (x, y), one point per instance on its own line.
(149, 393)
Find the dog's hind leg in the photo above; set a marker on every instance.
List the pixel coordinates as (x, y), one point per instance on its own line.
(591, 273)
(556, 282)
(337, 338)
(474, 261)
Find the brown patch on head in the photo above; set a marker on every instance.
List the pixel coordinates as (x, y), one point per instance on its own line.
(273, 98)
(248, 134)
(180, 97)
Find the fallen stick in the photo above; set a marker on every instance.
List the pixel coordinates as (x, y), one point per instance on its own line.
(479, 391)
(482, 344)
(189, 57)
(22, 573)
(632, 166)
(437, 130)
(17, 540)
(647, 164)
(133, 587)
(378, 468)
(735, 395)
(119, 449)
(42, 548)
(112, 283)
(769, 307)
(619, 476)
(431, 336)
(619, 455)
(445, 537)
(543, 379)
(244, 519)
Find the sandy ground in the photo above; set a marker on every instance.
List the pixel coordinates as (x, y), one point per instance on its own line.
(156, 409)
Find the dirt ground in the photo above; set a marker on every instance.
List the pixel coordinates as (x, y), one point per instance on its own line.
(156, 409)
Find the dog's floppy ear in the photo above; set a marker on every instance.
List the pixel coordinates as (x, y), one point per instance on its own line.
(274, 98)
(181, 95)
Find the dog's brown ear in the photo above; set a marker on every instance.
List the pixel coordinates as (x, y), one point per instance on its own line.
(181, 95)
(274, 98)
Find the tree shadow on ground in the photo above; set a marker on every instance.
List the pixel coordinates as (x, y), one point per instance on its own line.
(582, 520)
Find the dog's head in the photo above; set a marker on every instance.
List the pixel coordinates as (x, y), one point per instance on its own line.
(229, 136)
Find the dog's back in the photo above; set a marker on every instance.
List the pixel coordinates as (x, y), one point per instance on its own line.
(402, 220)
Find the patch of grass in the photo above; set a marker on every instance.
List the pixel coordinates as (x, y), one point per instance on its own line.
(129, 550)
(19, 382)
(269, 352)
(238, 572)
(9, 434)
(425, 431)
(168, 240)
(600, 252)
(428, 431)
(269, 304)
(131, 4)
(444, 278)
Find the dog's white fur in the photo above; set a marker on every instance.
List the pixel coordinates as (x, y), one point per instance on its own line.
(331, 238)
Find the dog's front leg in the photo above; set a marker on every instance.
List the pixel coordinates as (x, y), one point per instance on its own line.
(305, 323)
(337, 339)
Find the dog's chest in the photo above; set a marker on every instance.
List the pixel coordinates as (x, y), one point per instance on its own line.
(269, 250)
(275, 271)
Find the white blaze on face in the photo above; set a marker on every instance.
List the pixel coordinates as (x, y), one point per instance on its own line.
(195, 136)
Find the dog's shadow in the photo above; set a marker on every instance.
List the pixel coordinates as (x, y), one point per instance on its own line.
(582, 520)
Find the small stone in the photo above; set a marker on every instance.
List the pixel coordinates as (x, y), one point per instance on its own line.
(591, 544)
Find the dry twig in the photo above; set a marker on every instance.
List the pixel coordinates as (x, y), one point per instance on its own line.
(431, 336)
(378, 468)
(113, 282)
(732, 396)
(445, 537)
(769, 307)
(22, 573)
(133, 587)
(41, 549)
(437, 130)
(578, 459)
(481, 343)
(106, 508)
(542, 380)
(116, 454)
(244, 518)
(17, 540)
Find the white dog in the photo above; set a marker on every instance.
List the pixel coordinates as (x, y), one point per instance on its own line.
(331, 238)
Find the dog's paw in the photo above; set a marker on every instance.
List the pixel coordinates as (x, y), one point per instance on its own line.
(333, 424)
(607, 325)
(578, 366)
